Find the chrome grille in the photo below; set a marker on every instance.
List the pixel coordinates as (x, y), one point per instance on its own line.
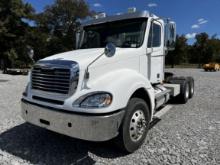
(56, 76)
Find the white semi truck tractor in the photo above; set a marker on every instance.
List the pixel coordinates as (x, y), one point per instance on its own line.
(112, 85)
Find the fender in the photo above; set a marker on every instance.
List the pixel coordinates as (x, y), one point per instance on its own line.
(122, 84)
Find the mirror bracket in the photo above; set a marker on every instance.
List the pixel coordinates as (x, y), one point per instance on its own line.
(109, 51)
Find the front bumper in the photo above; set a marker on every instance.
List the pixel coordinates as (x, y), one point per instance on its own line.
(82, 126)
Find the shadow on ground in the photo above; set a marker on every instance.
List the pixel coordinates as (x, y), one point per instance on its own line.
(38, 145)
(41, 146)
(3, 81)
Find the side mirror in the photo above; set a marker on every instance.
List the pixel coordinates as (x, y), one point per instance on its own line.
(170, 37)
(79, 37)
(31, 53)
(110, 50)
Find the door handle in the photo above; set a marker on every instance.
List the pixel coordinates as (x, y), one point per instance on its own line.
(150, 52)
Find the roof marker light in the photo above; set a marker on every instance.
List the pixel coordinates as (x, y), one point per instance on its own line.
(118, 13)
(132, 10)
(100, 15)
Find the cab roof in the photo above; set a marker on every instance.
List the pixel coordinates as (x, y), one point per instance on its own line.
(142, 14)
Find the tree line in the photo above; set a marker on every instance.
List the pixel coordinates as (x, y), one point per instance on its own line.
(24, 31)
(206, 49)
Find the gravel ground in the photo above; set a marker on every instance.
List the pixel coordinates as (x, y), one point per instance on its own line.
(188, 134)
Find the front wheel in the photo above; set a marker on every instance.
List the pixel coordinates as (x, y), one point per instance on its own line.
(135, 126)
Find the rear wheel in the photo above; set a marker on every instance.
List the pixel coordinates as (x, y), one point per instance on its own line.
(184, 83)
(191, 87)
(135, 126)
(184, 92)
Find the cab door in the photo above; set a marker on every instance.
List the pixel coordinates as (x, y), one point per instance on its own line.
(155, 52)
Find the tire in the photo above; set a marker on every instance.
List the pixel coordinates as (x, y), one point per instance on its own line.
(191, 87)
(136, 112)
(183, 97)
(184, 92)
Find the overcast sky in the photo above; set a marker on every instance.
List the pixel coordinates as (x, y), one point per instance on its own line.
(191, 16)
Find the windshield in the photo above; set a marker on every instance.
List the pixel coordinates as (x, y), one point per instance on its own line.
(124, 34)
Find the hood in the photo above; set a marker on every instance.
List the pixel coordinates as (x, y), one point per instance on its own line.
(85, 56)
(82, 56)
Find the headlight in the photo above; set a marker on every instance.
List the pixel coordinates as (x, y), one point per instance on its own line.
(94, 100)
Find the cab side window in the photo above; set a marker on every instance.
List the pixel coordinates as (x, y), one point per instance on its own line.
(154, 39)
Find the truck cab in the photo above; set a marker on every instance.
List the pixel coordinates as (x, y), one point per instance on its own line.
(112, 85)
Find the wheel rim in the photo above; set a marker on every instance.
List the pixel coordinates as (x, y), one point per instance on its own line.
(137, 125)
(187, 91)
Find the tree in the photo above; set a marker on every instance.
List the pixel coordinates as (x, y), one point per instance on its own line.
(13, 30)
(57, 26)
(204, 51)
(178, 55)
(214, 44)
